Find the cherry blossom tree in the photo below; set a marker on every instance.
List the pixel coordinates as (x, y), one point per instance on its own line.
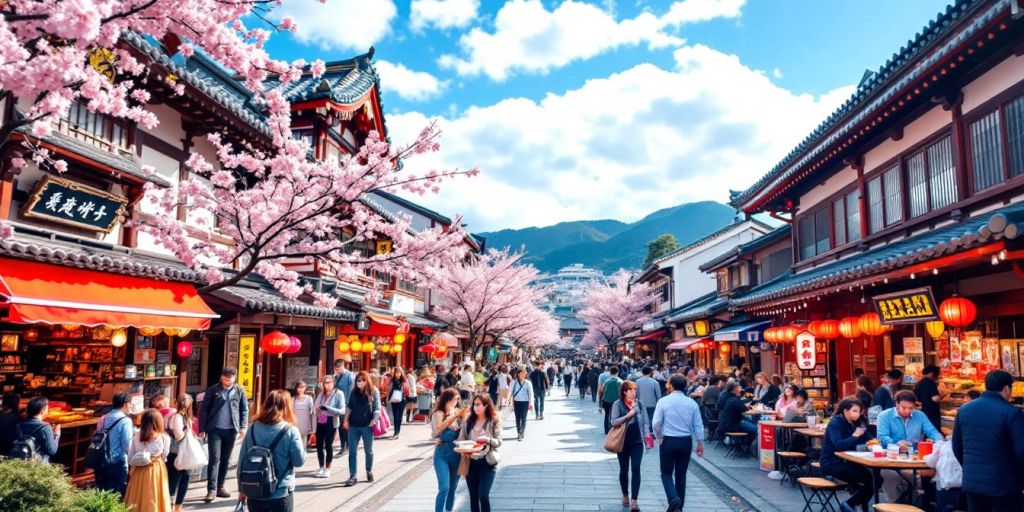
(612, 309)
(538, 329)
(490, 294)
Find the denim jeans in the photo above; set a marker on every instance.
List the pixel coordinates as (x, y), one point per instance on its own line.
(113, 478)
(446, 467)
(479, 481)
(325, 443)
(593, 392)
(521, 409)
(675, 458)
(396, 415)
(538, 404)
(221, 442)
(286, 504)
(177, 481)
(354, 435)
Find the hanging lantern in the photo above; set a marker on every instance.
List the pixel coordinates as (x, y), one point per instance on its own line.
(935, 328)
(70, 327)
(387, 349)
(149, 331)
(399, 339)
(352, 338)
(30, 334)
(957, 312)
(813, 328)
(170, 331)
(788, 333)
(870, 324)
(294, 345)
(367, 347)
(848, 327)
(344, 346)
(769, 335)
(701, 326)
(275, 342)
(428, 349)
(184, 349)
(827, 329)
(724, 348)
(119, 337)
(395, 349)
(181, 332)
(357, 346)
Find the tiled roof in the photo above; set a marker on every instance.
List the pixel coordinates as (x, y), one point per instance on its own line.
(712, 237)
(571, 324)
(749, 247)
(879, 88)
(977, 231)
(126, 162)
(702, 307)
(72, 253)
(422, 210)
(344, 81)
(423, 321)
(256, 294)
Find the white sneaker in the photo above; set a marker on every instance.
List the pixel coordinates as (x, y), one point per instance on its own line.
(327, 474)
(319, 473)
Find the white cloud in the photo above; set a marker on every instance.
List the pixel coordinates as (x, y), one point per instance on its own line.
(408, 84)
(777, 73)
(618, 147)
(528, 38)
(442, 14)
(345, 24)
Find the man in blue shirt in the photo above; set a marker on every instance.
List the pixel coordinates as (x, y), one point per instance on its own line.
(677, 423)
(119, 428)
(903, 425)
(648, 392)
(343, 381)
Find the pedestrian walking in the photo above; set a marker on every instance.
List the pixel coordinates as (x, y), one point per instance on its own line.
(362, 412)
(582, 381)
(223, 419)
(988, 441)
(445, 422)
(398, 392)
(466, 383)
(677, 426)
(541, 383)
(329, 408)
(846, 430)
(343, 380)
(484, 427)
(551, 374)
(492, 384)
(274, 430)
(305, 411)
(593, 381)
(630, 411)
(118, 426)
(504, 389)
(567, 376)
(412, 395)
(648, 391)
(147, 482)
(522, 396)
(180, 425)
(609, 391)
(45, 437)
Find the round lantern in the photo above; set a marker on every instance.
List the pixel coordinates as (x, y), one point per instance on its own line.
(724, 348)
(181, 332)
(343, 346)
(275, 342)
(149, 331)
(184, 349)
(701, 326)
(824, 329)
(71, 327)
(935, 328)
(871, 325)
(352, 338)
(367, 347)
(957, 312)
(788, 333)
(384, 349)
(428, 349)
(170, 331)
(30, 334)
(813, 328)
(848, 327)
(395, 349)
(294, 346)
(357, 346)
(119, 337)
(399, 339)
(769, 335)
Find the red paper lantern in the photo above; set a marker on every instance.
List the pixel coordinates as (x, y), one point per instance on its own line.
(848, 327)
(184, 349)
(957, 312)
(870, 324)
(724, 348)
(428, 349)
(788, 333)
(294, 346)
(769, 335)
(824, 329)
(275, 342)
(30, 334)
(813, 328)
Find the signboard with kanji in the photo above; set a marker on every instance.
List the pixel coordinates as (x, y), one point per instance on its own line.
(907, 307)
(805, 351)
(74, 204)
(247, 363)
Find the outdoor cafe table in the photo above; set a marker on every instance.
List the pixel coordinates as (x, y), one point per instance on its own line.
(763, 440)
(868, 460)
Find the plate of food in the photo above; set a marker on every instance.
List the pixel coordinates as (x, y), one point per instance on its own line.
(468, 446)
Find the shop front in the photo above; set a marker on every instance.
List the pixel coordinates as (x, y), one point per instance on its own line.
(79, 336)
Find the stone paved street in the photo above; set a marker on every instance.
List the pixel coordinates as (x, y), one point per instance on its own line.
(561, 466)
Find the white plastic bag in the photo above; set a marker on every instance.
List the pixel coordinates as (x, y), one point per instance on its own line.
(191, 454)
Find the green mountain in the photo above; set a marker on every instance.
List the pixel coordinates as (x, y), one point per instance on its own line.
(609, 245)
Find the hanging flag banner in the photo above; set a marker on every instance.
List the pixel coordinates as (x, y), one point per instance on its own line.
(906, 307)
(246, 362)
(806, 352)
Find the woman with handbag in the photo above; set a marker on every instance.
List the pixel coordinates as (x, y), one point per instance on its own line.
(397, 391)
(181, 428)
(305, 411)
(362, 412)
(147, 479)
(630, 421)
(445, 422)
(484, 427)
(330, 405)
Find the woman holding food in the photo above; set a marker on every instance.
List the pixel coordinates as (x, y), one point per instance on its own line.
(483, 427)
(445, 422)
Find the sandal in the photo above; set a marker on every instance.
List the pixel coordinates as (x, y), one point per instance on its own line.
(625, 501)
(633, 506)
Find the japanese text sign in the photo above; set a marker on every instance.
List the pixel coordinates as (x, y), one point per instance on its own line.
(907, 307)
(246, 363)
(806, 351)
(74, 204)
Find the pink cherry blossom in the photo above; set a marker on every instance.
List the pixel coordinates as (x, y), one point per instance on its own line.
(615, 308)
(6, 230)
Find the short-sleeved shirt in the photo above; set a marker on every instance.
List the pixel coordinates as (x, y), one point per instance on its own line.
(610, 391)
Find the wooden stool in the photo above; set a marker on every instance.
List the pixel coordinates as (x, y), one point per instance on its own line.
(822, 493)
(739, 445)
(792, 464)
(895, 507)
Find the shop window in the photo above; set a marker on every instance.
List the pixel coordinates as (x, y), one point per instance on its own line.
(99, 130)
(1015, 135)
(986, 151)
(941, 174)
(853, 216)
(814, 232)
(839, 220)
(306, 135)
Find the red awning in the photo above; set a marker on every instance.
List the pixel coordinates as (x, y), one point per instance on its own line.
(447, 338)
(652, 335)
(44, 293)
(384, 319)
(684, 343)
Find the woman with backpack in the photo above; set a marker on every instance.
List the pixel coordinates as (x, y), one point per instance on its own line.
(398, 389)
(484, 427)
(34, 438)
(330, 405)
(445, 423)
(274, 433)
(147, 476)
(180, 426)
(362, 412)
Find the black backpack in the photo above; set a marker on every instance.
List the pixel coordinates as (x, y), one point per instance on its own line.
(257, 476)
(24, 447)
(98, 456)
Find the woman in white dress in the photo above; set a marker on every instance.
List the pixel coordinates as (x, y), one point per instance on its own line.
(304, 410)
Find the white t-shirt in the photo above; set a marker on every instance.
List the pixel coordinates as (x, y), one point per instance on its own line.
(502, 381)
(467, 382)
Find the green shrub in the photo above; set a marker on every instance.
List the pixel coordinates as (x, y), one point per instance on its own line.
(95, 500)
(27, 486)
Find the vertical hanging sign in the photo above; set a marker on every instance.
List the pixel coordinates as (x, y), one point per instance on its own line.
(805, 350)
(246, 363)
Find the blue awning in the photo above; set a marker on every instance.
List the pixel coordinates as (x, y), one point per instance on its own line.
(749, 331)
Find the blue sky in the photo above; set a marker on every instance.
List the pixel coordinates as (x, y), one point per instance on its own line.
(604, 109)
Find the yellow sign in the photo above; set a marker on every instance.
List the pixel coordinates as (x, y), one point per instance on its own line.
(911, 306)
(246, 363)
(102, 60)
(384, 247)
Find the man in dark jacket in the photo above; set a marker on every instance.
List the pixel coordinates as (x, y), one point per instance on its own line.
(595, 373)
(927, 392)
(540, 383)
(44, 436)
(988, 441)
(223, 418)
(884, 393)
(584, 381)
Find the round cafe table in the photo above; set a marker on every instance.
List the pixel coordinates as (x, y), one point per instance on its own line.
(868, 460)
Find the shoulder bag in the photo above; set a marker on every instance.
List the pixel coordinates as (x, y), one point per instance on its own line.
(191, 454)
(616, 437)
